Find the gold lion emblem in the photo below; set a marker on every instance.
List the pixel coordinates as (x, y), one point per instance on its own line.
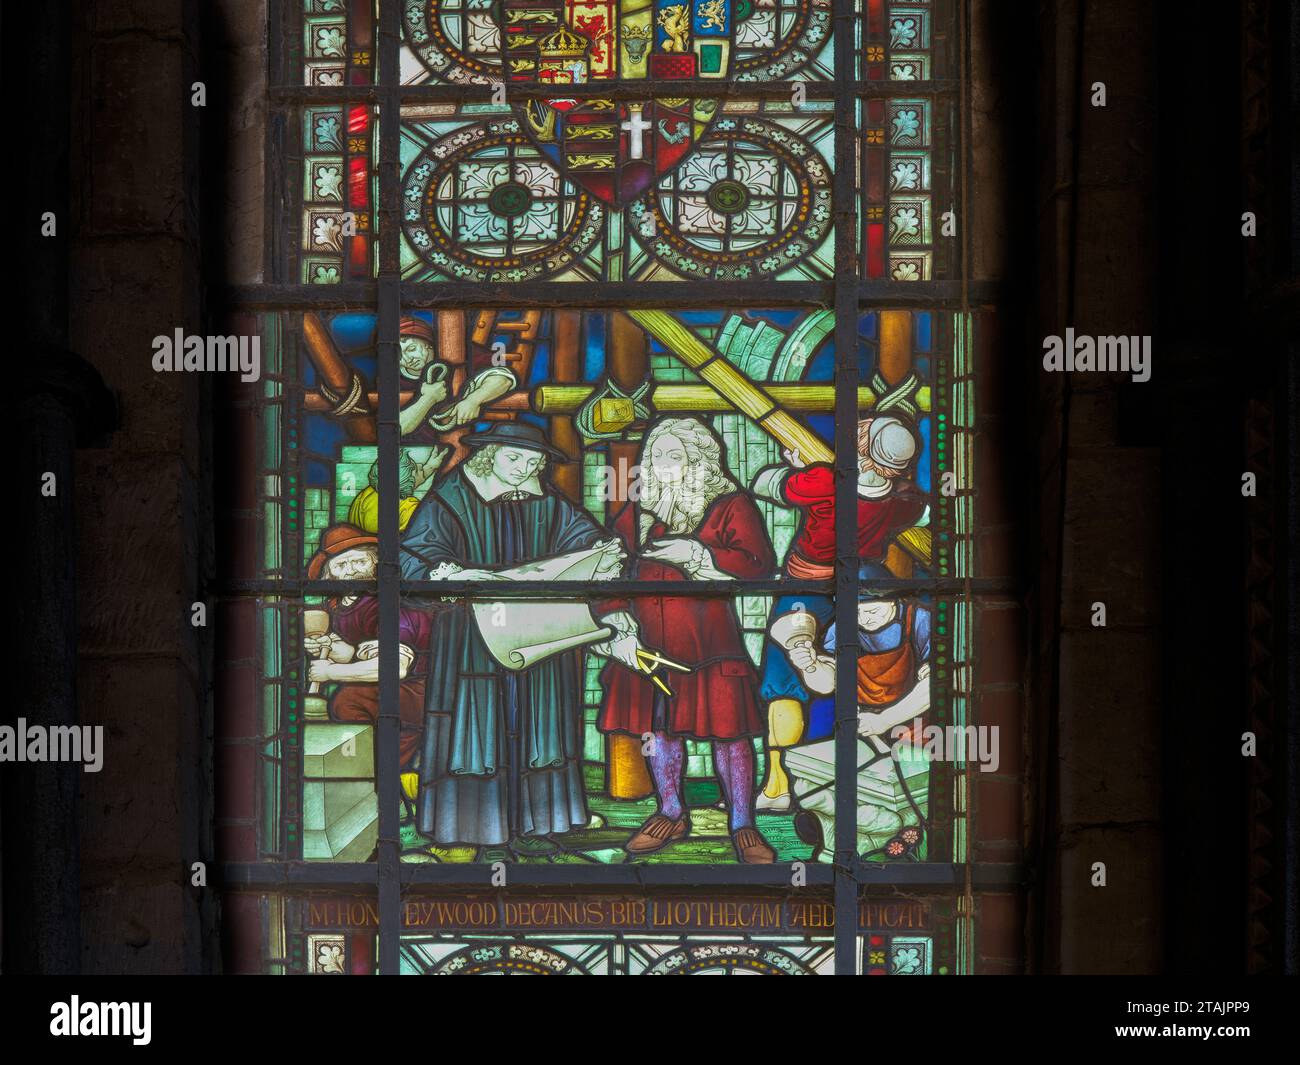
(711, 13)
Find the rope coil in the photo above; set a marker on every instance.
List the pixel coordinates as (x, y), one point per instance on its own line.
(353, 403)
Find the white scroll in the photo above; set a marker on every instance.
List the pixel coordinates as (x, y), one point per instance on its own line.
(521, 633)
(602, 559)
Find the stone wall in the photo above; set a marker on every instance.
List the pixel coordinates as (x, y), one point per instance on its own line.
(143, 505)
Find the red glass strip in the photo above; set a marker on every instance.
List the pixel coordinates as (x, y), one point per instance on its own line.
(875, 250)
(358, 183)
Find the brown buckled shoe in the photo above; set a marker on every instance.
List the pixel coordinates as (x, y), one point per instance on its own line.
(656, 833)
(809, 830)
(752, 848)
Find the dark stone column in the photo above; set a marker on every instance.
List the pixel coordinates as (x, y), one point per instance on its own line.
(42, 904)
(1263, 334)
(144, 502)
(1098, 729)
(1193, 410)
(1288, 44)
(1000, 247)
(1140, 723)
(60, 402)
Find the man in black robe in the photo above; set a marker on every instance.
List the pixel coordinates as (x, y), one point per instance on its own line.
(501, 762)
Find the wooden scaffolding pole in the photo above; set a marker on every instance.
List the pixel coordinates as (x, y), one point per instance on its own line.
(627, 362)
(566, 366)
(748, 398)
(704, 399)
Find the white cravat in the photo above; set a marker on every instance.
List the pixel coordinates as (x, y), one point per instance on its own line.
(490, 487)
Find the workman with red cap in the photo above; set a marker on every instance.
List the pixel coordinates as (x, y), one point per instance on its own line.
(437, 405)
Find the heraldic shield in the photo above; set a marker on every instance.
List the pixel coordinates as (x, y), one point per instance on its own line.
(614, 148)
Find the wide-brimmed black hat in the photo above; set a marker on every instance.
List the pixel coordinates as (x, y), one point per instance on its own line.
(515, 434)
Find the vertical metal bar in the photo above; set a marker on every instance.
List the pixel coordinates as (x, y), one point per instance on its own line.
(387, 732)
(962, 166)
(844, 193)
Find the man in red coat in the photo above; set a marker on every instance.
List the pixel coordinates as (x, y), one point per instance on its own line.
(692, 522)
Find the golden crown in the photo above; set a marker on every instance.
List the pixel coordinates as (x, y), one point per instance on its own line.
(562, 44)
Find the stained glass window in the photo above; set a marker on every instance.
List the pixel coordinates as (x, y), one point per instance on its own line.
(550, 572)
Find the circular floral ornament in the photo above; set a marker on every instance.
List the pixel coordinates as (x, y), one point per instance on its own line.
(507, 959)
(712, 959)
(424, 30)
(803, 39)
(750, 202)
(482, 204)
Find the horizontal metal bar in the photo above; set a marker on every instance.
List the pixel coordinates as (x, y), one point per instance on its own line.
(949, 294)
(577, 877)
(584, 294)
(709, 88)
(296, 877)
(608, 589)
(619, 294)
(348, 296)
(293, 588)
(529, 589)
(594, 295)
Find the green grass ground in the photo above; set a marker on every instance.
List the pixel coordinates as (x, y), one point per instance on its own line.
(709, 841)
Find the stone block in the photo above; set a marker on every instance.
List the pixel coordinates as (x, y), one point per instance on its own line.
(137, 564)
(141, 107)
(128, 291)
(145, 927)
(338, 751)
(1116, 928)
(340, 820)
(1003, 708)
(1111, 549)
(999, 930)
(1109, 727)
(1000, 642)
(236, 778)
(141, 813)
